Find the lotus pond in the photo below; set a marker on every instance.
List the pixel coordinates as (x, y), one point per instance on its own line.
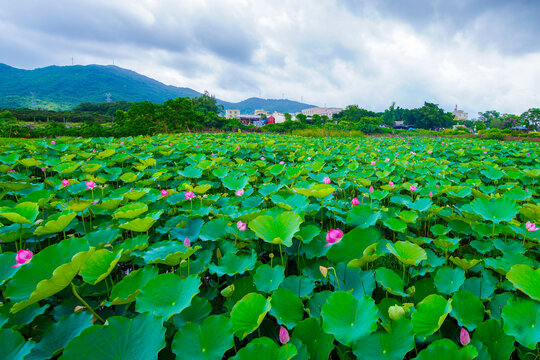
(269, 247)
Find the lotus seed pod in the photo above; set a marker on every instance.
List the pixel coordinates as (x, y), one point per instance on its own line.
(395, 312)
(411, 291)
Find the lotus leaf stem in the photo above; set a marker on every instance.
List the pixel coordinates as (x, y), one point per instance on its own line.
(73, 288)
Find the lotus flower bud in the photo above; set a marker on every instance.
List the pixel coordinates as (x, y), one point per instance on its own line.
(395, 312)
(228, 291)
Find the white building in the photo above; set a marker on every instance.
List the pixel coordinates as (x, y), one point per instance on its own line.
(460, 114)
(260, 112)
(232, 114)
(279, 117)
(321, 111)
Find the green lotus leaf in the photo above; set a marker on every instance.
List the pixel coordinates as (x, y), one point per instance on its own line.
(140, 338)
(13, 345)
(142, 225)
(91, 168)
(29, 162)
(347, 318)
(232, 264)
(319, 191)
(50, 271)
(264, 348)
(362, 216)
(199, 310)
(102, 236)
(467, 309)
(318, 343)
(130, 211)
(495, 210)
(23, 213)
(407, 252)
(286, 307)
(148, 162)
(420, 205)
(67, 167)
(208, 341)
(7, 260)
(448, 280)
(191, 172)
(108, 203)
(296, 202)
(41, 197)
(464, 263)
(136, 194)
(483, 286)
(370, 254)
(490, 333)
(248, 314)
(430, 314)
(446, 349)
(168, 253)
(105, 154)
(439, 230)
(353, 244)
(492, 173)
(79, 205)
(408, 216)
(129, 177)
(167, 294)
(396, 224)
(521, 318)
(525, 279)
(307, 233)
(386, 345)
(127, 289)
(191, 230)
(267, 278)
(391, 281)
(277, 230)
(56, 223)
(301, 286)
(99, 265)
(59, 335)
(215, 229)
(234, 182)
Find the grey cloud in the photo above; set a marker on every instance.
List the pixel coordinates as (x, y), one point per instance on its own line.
(509, 26)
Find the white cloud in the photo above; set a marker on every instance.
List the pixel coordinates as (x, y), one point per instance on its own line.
(326, 52)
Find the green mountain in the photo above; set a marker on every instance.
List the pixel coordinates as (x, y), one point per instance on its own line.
(64, 87)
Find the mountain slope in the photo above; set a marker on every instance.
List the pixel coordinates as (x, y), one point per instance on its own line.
(64, 87)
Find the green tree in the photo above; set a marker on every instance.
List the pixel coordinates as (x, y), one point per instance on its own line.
(301, 117)
(429, 116)
(389, 115)
(353, 114)
(287, 116)
(531, 117)
(206, 104)
(480, 125)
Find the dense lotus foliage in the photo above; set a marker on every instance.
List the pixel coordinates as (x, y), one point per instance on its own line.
(269, 247)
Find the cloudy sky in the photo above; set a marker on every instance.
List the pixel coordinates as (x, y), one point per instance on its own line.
(479, 54)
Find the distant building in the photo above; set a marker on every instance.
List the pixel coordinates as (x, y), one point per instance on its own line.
(248, 119)
(271, 119)
(232, 114)
(261, 112)
(321, 111)
(460, 115)
(278, 117)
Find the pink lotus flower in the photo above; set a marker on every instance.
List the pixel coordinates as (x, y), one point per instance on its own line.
(43, 169)
(238, 148)
(356, 149)
(90, 185)
(212, 154)
(413, 188)
(65, 182)
(11, 171)
(355, 202)
(371, 189)
(121, 143)
(391, 183)
(531, 226)
(283, 335)
(373, 162)
(430, 152)
(326, 180)
(386, 160)
(437, 186)
(189, 195)
(240, 192)
(430, 194)
(397, 153)
(485, 152)
(242, 226)
(262, 158)
(23, 257)
(442, 143)
(53, 142)
(528, 154)
(378, 150)
(187, 242)
(282, 162)
(464, 337)
(483, 147)
(333, 236)
(93, 150)
(170, 144)
(164, 192)
(309, 158)
(196, 145)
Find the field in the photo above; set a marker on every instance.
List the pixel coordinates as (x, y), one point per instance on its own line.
(246, 246)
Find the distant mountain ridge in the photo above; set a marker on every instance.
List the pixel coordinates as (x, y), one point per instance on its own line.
(64, 87)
